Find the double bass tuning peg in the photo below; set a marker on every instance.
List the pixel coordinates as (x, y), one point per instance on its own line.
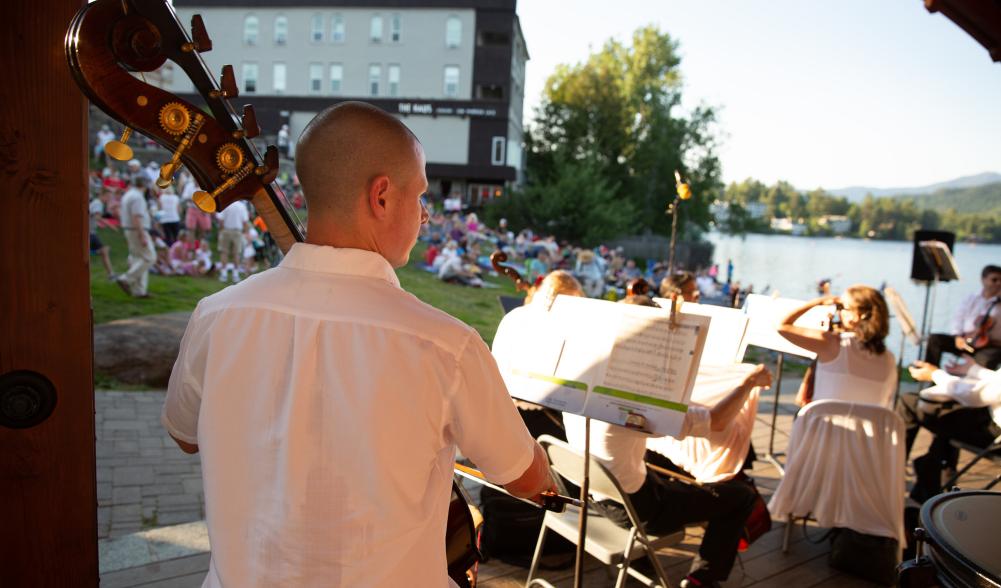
(269, 171)
(227, 83)
(200, 40)
(249, 123)
(119, 149)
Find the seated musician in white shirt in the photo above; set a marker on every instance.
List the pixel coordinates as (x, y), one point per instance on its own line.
(326, 402)
(665, 504)
(969, 320)
(975, 391)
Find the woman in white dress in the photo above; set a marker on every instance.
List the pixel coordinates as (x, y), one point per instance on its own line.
(852, 364)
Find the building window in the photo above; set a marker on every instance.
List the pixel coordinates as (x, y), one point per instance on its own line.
(336, 75)
(395, 28)
(316, 28)
(249, 78)
(281, 30)
(490, 91)
(337, 28)
(393, 74)
(374, 77)
(453, 32)
(451, 89)
(315, 78)
(278, 78)
(493, 39)
(250, 30)
(497, 151)
(375, 30)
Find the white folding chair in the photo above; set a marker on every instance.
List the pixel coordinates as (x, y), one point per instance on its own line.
(845, 469)
(607, 542)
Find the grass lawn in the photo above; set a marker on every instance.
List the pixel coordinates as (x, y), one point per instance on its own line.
(477, 307)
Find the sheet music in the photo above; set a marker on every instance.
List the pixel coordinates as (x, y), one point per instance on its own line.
(903, 314)
(726, 341)
(766, 313)
(528, 347)
(617, 363)
(939, 257)
(648, 357)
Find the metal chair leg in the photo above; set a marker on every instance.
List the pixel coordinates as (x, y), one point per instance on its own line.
(537, 556)
(787, 532)
(657, 568)
(620, 579)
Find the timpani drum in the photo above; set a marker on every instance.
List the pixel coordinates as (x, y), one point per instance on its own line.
(961, 532)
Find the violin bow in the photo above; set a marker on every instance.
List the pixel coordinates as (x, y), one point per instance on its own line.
(550, 500)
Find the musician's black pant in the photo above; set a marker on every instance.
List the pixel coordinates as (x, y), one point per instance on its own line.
(938, 343)
(946, 420)
(665, 505)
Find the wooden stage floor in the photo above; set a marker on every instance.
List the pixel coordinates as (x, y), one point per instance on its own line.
(762, 566)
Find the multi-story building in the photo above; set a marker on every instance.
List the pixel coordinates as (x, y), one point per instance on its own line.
(453, 70)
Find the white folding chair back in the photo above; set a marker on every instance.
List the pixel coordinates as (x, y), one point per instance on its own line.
(606, 541)
(845, 468)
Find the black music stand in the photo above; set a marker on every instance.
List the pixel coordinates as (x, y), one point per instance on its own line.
(943, 268)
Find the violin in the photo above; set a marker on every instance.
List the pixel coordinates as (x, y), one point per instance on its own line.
(981, 337)
(499, 257)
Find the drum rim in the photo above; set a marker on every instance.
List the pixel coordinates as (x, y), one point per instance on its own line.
(940, 548)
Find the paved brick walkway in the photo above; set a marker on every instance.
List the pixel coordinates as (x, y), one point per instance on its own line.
(143, 479)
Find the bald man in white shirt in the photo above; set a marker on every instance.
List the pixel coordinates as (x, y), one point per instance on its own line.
(326, 402)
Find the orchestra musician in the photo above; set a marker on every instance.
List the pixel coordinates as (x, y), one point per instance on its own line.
(978, 314)
(326, 402)
(975, 334)
(541, 420)
(853, 364)
(964, 405)
(665, 504)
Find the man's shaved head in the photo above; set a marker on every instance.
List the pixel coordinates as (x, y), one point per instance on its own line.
(343, 149)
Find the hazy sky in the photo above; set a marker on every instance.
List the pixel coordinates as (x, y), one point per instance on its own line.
(879, 93)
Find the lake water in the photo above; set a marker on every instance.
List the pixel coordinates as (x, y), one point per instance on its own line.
(794, 266)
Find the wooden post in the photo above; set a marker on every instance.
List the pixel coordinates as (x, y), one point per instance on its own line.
(47, 471)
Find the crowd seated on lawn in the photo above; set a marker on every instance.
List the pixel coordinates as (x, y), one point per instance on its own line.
(459, 247)
(182, 234)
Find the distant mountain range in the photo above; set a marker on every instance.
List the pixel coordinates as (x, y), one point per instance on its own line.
(857, 193)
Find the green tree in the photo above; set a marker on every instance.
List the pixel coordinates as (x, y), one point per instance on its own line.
(617, 113)
(576, 204)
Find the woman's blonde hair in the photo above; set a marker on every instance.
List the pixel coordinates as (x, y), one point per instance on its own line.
(873, 317)
(554, 284)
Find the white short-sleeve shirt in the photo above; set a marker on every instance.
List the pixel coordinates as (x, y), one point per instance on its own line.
(327, 404)
(133, 203)
(170, 207)
(234, 216)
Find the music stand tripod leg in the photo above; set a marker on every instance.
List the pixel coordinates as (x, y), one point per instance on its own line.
(578, 572)
(771, 456)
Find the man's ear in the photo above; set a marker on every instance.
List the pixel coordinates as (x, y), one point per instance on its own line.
(378, 191)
